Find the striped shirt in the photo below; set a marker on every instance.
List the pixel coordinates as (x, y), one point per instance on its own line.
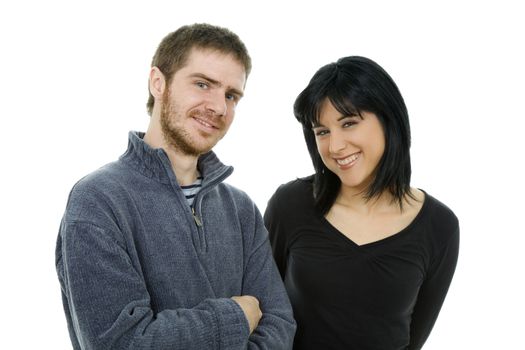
(191, 191)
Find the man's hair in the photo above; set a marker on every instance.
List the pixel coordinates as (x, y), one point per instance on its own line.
(353, 85)
(173, 51)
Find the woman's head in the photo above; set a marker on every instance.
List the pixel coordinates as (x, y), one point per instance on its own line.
(349, 95)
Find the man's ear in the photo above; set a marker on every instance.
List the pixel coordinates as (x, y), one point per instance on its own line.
(157, 83)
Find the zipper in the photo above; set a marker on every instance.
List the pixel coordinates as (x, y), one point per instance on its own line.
(198, 221)
(200, 230)
(196, 201)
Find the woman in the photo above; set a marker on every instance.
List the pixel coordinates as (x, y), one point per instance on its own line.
(366, 259)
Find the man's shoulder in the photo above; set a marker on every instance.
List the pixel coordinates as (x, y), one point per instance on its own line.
(102, 179)
(99, 188)
(96, 200)
(240, 197)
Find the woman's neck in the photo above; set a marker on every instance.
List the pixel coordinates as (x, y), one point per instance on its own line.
(356, 201)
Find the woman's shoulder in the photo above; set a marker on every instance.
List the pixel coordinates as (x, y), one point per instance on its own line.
(440, 210)
(294, 193)
(297, 187)
(442, 220)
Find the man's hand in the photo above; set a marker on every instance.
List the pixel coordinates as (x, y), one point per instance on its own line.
(250, 306)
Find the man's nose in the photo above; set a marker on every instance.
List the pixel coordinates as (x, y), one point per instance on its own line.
(216, 103)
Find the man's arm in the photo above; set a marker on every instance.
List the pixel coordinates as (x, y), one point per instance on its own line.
(276, 328)
(109, 305)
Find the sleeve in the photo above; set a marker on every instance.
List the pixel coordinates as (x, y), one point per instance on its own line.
(433, 292)
(107, 302)
(276, 328)
(277, 233)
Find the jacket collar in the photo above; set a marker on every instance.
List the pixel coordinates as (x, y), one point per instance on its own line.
(155, 164)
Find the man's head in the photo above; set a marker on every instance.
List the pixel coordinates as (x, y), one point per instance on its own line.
(196, 80)
(173, 51)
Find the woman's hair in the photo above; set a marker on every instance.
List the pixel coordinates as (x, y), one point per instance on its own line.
(353, 85)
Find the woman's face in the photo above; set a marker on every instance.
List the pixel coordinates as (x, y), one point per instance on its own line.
(350, 146)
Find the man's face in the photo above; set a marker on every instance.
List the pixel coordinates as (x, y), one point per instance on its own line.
(199, 104)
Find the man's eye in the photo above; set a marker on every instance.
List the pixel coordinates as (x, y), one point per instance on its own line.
(231, 97)
(202, 85)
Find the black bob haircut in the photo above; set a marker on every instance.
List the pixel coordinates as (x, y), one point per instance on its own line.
(353, 85)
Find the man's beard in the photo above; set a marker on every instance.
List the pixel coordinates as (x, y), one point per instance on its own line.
(174, 136)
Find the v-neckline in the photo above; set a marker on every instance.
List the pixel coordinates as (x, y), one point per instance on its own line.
(337, 233)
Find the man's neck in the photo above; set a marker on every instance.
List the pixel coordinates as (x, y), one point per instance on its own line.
(184, 166)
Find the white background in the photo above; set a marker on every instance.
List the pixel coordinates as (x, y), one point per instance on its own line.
(73, 81)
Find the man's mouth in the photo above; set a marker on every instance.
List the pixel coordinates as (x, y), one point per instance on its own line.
(205, 122)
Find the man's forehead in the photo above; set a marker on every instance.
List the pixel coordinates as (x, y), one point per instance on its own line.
(220, 67)
(211, 56)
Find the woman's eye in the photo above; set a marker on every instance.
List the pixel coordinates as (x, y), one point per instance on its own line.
(348, 124)
(321, 132)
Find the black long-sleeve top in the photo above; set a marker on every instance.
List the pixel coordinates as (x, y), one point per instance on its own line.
(385, 295)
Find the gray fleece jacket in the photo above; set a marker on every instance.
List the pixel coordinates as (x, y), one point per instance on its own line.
(139, 269)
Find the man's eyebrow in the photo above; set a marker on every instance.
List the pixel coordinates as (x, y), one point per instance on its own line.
(216, 83)
(205, 77)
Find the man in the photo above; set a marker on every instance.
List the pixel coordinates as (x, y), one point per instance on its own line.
(154, 250)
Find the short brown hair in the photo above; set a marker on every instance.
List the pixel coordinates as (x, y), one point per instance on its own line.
(173, 50)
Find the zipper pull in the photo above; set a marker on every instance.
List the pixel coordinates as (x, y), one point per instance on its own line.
(196, 218)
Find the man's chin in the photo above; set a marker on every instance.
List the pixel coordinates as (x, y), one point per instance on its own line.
(204, 147)
(195, 151)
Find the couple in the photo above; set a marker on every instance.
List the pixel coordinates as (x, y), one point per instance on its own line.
(155, 251)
